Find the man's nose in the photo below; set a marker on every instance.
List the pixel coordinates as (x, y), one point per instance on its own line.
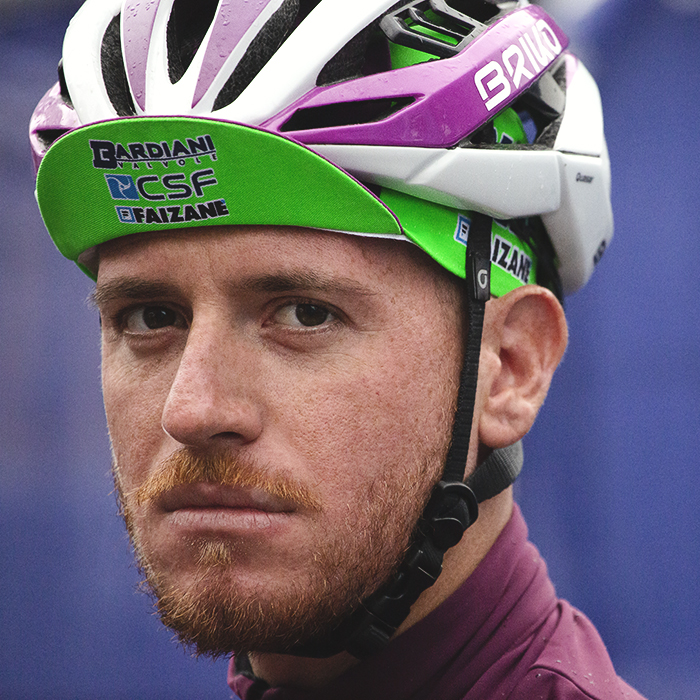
(210, 399)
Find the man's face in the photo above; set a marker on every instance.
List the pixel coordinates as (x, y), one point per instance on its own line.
(280, 403)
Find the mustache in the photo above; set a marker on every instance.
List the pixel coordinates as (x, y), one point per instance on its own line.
(186, 467)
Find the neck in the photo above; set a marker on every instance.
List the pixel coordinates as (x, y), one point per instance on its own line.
(459, 563)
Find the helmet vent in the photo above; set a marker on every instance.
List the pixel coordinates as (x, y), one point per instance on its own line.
(544, 103)
(365, 54)
(438, 27)
(63, 85)
(345, 114)
(48, 136)
(188, 25)
(260, 51)
(481, 10)
(113, 72)
(305, 7)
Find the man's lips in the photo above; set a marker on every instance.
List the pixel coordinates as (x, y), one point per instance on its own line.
(205, 495)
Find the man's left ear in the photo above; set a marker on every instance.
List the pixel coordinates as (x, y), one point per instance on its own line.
(525, 336)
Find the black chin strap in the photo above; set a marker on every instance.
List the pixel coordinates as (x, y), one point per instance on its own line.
(453, 505)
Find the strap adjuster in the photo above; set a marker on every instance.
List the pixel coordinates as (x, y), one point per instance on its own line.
(453, 509)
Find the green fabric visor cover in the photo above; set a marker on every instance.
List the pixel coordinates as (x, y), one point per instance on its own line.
(127, 176)
(144, 174)
(443, 232)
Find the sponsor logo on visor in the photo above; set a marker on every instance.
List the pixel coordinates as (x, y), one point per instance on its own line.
(510, 258)
(154, 188)
(462, 232)
(107, 155)
(504, 254)
(159, 190)
(173, 215)
(122, 187)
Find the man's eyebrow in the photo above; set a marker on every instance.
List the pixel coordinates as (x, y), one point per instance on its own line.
(129, 288)
(283, 282)
(302, 281)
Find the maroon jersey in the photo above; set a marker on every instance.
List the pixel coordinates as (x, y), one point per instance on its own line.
(502, 634)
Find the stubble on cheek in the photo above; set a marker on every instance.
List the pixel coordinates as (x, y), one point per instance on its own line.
(215, 615)
(215, 611)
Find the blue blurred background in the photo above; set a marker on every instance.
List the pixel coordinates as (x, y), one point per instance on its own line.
(611, 485)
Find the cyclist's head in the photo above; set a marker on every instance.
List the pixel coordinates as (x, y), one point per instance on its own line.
(462, 127)
(371, 117)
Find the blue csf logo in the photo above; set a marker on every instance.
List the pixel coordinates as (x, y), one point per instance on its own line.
(122, 187)
(155, 188)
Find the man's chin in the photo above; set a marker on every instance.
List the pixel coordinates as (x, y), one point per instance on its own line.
(222, 595)
(214, 617)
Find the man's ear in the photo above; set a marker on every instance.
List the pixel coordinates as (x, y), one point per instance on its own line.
(525, 336)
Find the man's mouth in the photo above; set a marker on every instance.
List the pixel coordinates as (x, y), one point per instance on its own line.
(206, 508)
(213, 496)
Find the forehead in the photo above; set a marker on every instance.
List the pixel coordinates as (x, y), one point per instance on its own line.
(240, 253)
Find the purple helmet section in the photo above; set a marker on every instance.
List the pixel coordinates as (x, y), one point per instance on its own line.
(138, 19)
(452, 96)
(52, 113)
(226, 34)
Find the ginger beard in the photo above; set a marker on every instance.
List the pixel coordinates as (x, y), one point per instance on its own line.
(215, 617)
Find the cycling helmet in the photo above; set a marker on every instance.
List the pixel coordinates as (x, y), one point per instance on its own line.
(464, 126)
(438, 107)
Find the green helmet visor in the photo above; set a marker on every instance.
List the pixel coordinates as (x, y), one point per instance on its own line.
(137, 175)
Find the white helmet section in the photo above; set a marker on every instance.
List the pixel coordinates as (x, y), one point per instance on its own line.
(82, 65)
(582, 226)
(290, 73)
(294, 68)
(568, 186)
(192, 94)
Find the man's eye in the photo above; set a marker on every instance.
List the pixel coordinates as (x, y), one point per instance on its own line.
(306, 315)
(311, 315)
(150, 318)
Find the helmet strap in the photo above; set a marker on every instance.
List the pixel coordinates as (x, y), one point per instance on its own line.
(453, 505)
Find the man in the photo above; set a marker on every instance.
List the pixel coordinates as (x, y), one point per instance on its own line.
(313, 227)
